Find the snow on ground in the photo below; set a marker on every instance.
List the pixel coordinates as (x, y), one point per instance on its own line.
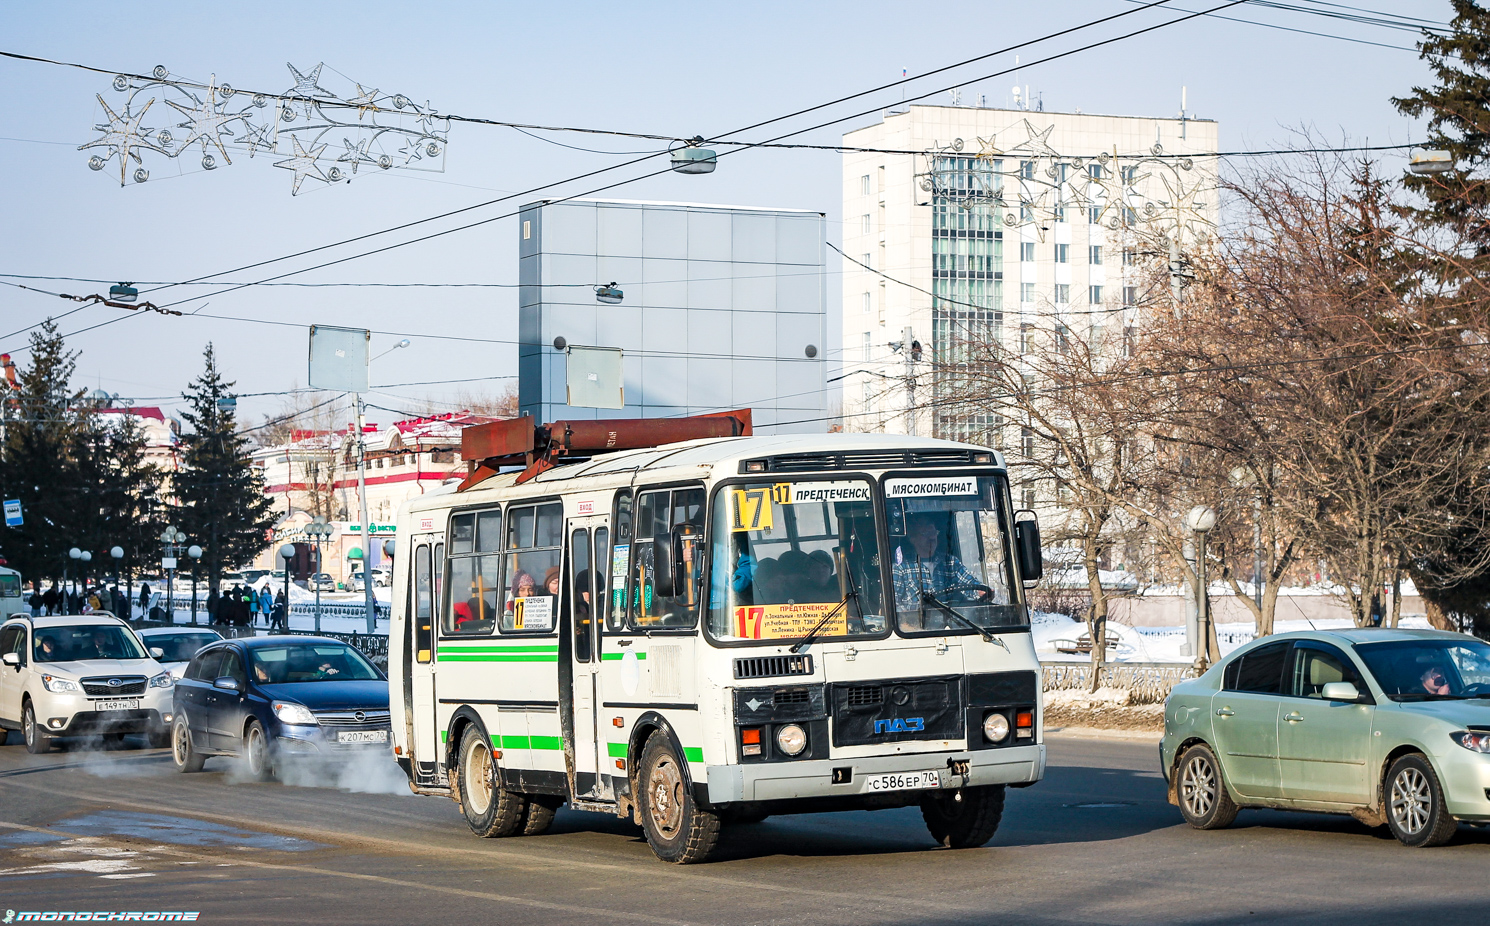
(1162, 644)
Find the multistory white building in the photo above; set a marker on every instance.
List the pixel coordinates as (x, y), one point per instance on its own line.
(998, 223)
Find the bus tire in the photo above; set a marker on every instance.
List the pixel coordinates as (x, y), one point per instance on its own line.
(541, 812)
(489, 809)
(966, 818)
(677, 829)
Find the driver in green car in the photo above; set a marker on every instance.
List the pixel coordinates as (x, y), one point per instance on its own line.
(1436, 682)
(923, 566)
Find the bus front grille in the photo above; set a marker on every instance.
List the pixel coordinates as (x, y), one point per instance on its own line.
(772, 666)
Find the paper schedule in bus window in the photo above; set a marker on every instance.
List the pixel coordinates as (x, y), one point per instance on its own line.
(777, 621)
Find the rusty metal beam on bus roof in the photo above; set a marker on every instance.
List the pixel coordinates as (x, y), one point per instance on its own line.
(539, 447)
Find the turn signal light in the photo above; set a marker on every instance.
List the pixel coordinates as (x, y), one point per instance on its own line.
(621, 764)
(617, 722)
(1024, 724)
(398, 750)
(750, 741)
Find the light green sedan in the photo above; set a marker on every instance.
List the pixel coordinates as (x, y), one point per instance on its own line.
(1389, 726)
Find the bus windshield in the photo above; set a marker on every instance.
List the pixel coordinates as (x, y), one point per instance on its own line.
(789, 556)
(949, 555)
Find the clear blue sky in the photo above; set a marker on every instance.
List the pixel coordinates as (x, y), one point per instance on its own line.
(651, 67)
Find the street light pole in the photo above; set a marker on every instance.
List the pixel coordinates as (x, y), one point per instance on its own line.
(118, 554)
(367, 589)
(195, 552)
(1201, 519)
(319, 530)
(172, 538)
(287, 553)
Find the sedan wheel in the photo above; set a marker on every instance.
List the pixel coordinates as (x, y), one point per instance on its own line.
(1416, 811)
(256, 752)
(187, 759)
(1204, 801)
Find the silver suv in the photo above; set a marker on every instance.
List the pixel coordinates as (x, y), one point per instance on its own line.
(80, 676)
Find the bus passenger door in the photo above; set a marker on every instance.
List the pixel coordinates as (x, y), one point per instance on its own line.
(588, 559)
(425, 735)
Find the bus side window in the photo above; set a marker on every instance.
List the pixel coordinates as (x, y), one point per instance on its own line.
(423, 603)
(577, 603)
(620, 564)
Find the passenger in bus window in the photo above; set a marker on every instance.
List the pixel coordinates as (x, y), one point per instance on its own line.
(551, 581)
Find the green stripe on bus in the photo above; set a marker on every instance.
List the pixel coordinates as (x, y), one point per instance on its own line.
(553, 743)
(616, 750)
(502, 657)
(693, 754)
(546, 742)
(499, 649)
(690, 753)
(445, 736)
(612, 657)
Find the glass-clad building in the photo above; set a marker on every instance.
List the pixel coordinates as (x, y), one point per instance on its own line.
(720, 308)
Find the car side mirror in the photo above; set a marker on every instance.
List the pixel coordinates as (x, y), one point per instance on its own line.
(1027, 547)
(1340, 691)
(156, 652)
(12, 659)
(226, 683)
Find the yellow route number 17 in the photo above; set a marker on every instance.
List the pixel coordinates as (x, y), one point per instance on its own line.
(751, 509)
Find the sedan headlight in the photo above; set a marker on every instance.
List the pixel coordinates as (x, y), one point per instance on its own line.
(996, 727)
(1473, 741)
(292, 713)
(791, 739)
(58, 685)
(163, 680)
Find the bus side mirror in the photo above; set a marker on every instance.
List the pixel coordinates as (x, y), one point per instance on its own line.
(1027, 547)
(665, 567)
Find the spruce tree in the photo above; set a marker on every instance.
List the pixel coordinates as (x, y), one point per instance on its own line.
(45, 421)
(1457, 108)
(222, 505)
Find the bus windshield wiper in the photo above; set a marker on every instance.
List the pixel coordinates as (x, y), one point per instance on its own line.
(801, 645)
(931, 599)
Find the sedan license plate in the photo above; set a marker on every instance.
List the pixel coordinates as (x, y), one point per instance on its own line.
(362, 736)
(131, 705)
(901, 781)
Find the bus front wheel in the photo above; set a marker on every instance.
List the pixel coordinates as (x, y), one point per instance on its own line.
(677, 829)
(489, 809)
(966, 818)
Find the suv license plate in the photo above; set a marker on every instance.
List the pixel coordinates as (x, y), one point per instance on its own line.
(902, 781)
(362, 736)
(133, 705)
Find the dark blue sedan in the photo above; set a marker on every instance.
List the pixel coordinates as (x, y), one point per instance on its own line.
(267, 699)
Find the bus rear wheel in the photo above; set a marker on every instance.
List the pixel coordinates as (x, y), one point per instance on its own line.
(490, 811)
(966, 818)
(677, 829)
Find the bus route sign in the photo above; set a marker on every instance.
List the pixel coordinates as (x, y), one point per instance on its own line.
(775, 621)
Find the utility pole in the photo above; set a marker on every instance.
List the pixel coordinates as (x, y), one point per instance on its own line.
(367, 581)
(912, 351)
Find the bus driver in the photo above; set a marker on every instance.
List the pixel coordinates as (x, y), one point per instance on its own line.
(924, 567)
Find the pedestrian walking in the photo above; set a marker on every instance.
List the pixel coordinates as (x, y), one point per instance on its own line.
(266, 606)
(282, 612)
(144, 598)
(51, 598)
(105, 599)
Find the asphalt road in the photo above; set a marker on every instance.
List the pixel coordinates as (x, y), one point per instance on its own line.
(1095, 842)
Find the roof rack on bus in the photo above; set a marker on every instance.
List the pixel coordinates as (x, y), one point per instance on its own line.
(540, 447)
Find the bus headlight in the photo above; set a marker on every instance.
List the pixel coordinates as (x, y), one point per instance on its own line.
(791, 739)
(996, 727)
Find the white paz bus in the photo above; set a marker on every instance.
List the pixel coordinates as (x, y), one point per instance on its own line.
(717, 630)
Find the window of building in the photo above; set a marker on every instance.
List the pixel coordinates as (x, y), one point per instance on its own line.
(868, 303)
(1094, 337)
(1094, 171)
(864, 224)
(1027, 169)
(1130, 257)
(1027, 497)
(864, 185)
(1027, 443)
(1130, 295)
(1094, 254)
(1130, 340)
(1063, 253)
(1027, 251)
(442, 456)
(1024, 339)
(882, 178)
(867, 262)
(1129, 174)
(868, 345)
(1026, 292)
(1094, 294)
(1062, 293)
(1094, 214)
(1062, 339)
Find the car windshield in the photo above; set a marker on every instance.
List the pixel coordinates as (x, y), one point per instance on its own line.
(950, 555)
(1428, 670)
(179, 647)
(85, 641)
(310, 662)
(790, 555)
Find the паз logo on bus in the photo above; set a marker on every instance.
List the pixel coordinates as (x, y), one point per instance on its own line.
(900, 725)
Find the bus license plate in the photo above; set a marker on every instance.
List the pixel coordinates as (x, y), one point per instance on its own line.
(902, 781)
(362, 736)
(133, 705)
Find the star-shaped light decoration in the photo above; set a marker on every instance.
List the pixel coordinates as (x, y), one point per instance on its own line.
(356, 153)
(987, 151)
(124, 136)
(413, 150)
(257, 136)
(303, 164)
(1038, 143)
(205, 122)
(365, 101)
(307, 85)
(427, 118)
(1184, 208)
